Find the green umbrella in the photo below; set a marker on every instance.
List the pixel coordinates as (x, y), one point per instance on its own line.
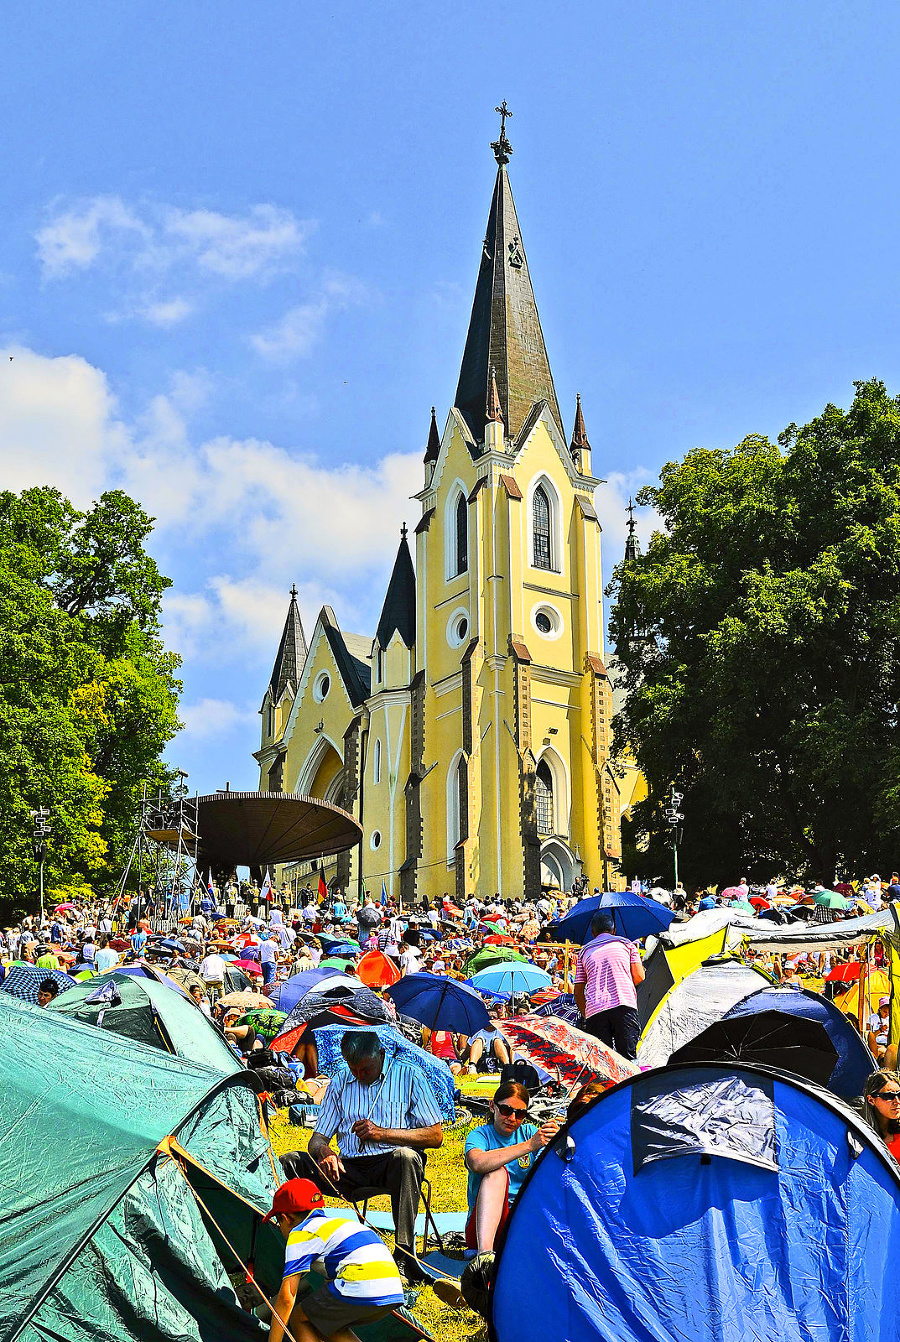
(345, 964)
(265, 1021)
(830, 899)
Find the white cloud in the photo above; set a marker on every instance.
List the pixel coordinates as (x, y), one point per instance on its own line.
(210, 718)
(58, 424)
(73, 239)
(236, 248)
(153, 239)
(299, 330)
(167, 313)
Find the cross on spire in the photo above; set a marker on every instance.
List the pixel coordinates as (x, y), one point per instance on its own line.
(404, 532)
(293, 591)
(630, 511)
(502, 147)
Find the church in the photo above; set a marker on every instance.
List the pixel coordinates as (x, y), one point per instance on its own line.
(470, 735)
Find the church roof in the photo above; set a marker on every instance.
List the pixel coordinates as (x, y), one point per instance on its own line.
(292, 651)
(351, 656)
(504, 330)
(399, 610)
(433, 450)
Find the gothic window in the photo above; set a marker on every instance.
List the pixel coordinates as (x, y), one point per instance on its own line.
(271, 720)
(379, 666)
(462, 534)
(541, 527)
(457, 805)
(543, 798)
(376, 764)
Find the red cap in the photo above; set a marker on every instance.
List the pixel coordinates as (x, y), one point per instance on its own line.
(296, 1195)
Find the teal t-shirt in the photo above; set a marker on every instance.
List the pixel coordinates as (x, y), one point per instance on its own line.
(487, 1138)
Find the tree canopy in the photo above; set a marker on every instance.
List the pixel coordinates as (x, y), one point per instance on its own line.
(88, 694)
(758, 641)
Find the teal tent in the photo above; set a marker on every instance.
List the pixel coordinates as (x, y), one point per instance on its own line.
(149, 1013)
(129, 1180)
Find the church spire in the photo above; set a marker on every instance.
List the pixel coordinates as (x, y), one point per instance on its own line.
(292, 652)
(433, 449)
(580, 447)
(399, 610)
(504, 329)
(632, 545)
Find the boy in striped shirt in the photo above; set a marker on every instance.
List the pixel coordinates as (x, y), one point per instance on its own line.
(362, 1282)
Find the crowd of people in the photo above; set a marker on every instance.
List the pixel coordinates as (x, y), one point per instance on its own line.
(376, 1120)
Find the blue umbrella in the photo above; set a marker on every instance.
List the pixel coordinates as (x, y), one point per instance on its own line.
(23, 981)
(172, 944)
(342, 948)
(635, 917)
(440, 1003)
(286, 995)
(512, 976)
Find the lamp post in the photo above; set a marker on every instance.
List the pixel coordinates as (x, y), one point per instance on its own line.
(40, 835)
(674, 818)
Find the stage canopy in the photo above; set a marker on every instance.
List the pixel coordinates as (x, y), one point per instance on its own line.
(258, 829)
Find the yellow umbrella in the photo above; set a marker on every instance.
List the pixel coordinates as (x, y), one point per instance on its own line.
(878, 985)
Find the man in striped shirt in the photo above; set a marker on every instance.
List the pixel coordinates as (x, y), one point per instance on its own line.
(362, 1282)
(384, 1116)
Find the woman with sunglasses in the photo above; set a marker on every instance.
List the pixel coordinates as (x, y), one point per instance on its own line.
(881, 1106)
(498, 1156)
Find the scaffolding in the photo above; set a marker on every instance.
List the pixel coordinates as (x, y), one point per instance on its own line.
(163, 855)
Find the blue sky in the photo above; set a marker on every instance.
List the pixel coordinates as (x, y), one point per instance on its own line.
(238, 245)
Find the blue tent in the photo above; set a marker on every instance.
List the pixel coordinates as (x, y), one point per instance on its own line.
(710, 1204)
(854, 1063)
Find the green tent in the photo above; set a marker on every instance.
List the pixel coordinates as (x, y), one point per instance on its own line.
(492, 955)
(125, 1174)
(149, 1013)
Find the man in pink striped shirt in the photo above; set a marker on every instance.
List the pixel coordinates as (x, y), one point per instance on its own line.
(608, 971)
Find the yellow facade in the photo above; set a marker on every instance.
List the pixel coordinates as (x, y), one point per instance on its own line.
(471, 735)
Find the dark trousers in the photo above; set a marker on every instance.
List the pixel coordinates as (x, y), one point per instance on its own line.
(619, 1028)
(398, 1172)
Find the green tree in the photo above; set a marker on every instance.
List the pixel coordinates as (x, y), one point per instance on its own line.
(759, 642)
(88, 694)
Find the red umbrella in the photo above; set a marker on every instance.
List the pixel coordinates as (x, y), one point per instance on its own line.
(499, 939)
(377, 970)
(845, 973)
(734, 892)
(571, 1054)
(491, 918)
(759, 903)
(248, 966)
(61, 908)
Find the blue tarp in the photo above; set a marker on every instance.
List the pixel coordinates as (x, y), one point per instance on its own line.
(854, 1063)
(643, 1222)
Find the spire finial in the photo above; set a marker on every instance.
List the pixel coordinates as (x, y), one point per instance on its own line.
(494, 412)
(293, 591)
(502, 147)
(631, 522)
(433, 450)
(404, 532)
(579, 432)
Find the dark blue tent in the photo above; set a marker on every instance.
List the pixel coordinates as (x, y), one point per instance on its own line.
(705, 1204)
(854, 1063)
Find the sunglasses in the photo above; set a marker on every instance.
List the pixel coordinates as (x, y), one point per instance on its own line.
(509, 1111)
(887, 1095)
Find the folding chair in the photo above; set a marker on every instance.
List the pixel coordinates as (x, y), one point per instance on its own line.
(365, 1194)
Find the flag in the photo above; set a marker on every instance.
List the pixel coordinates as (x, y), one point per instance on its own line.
(383, 893)
(322, 893)
(209, 885)
(265, 893)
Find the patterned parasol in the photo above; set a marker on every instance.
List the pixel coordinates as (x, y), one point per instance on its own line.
(572, 1055)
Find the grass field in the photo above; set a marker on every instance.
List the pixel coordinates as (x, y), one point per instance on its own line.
(448, 1183)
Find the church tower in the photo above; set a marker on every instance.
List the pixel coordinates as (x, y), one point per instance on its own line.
(517, 699)
(470, 735)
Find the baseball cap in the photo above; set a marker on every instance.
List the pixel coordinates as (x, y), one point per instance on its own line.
(296, 1195)
(884, 1001)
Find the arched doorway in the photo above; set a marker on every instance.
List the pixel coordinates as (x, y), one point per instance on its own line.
(559, 866)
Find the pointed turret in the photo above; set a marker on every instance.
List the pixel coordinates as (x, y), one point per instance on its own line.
(432, 451)
(493, 427)
(504, 329)
(292, 651)
(580, 447)
(399, 610)
(632, 544)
